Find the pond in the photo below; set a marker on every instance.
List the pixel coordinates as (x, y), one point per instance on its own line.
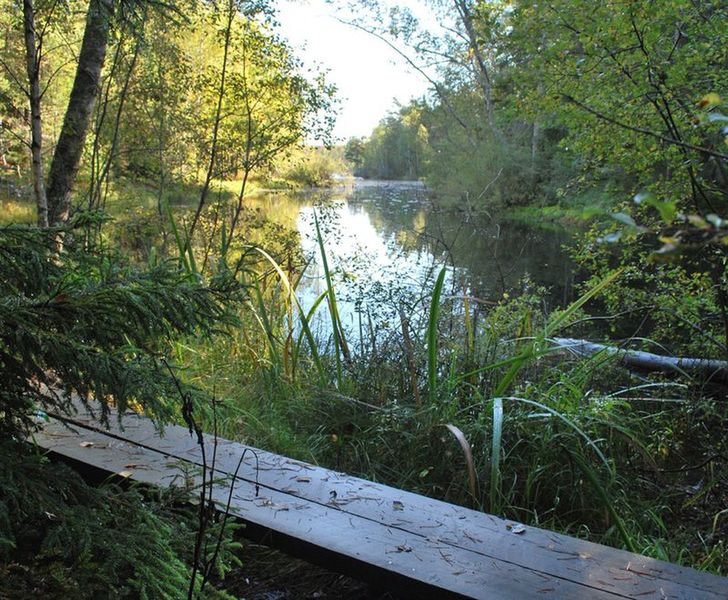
(387, 241)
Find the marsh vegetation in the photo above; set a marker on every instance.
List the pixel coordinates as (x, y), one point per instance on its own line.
(173, 243)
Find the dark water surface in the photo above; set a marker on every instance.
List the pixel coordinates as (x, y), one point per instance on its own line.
(387, 241)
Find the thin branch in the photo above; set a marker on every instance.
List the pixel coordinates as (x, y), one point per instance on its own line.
(667, 140)
(415, 66)
(216, 127)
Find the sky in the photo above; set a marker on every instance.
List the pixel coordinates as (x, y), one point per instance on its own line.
(369, 75)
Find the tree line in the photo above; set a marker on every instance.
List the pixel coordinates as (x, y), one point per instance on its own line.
(531, 102)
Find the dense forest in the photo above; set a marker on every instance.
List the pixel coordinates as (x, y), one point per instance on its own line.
(136, 271)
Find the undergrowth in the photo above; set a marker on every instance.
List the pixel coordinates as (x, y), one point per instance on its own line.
(581, 446)
(61, 538)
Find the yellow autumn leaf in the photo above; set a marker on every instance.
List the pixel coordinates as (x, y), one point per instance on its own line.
(709, 100)
(698, 221)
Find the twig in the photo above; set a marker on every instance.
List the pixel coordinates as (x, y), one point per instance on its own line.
(207, 504)
(218, 545)
(658, 136)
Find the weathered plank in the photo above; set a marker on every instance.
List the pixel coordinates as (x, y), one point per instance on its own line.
(367, 529)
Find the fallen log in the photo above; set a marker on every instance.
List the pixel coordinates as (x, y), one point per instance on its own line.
(706, 367)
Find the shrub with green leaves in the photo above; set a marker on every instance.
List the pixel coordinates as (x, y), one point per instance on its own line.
(81, 321)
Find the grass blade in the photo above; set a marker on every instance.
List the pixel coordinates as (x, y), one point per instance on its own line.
(563, 418)
(304, 319)
(495, 452)
(185, 250)
(340, 346)
(561, 317)
(263, 319)
(468, 454)
(432, 337)
(591, 475)
(537, 347)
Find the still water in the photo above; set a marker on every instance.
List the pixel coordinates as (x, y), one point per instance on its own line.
(387, 241)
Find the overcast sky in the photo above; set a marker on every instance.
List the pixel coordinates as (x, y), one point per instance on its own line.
(369, 75)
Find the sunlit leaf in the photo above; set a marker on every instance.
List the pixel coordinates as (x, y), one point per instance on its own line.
(667, 211)
(711, 99)
(666, 208)
(665, 239)
(715, 220)
(624, 218)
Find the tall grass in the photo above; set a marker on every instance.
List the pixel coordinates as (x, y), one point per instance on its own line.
(554, 442)
(432, 335)
(304, 319)
(341, 348)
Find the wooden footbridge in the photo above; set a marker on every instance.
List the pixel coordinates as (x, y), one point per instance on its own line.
(415, 546)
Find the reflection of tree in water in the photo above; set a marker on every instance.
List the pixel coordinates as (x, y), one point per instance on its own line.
(413, 238)
(491, 257)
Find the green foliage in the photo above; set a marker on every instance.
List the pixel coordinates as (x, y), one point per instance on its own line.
(574, 103)
(532, 104)
(79, 321)
(312, 166)
(61, 538)
(567, 444)
(58, 26)
(84, 322)
(158, 103)
(354, 152)
(397, 148)
(676, 303)
(625, 81)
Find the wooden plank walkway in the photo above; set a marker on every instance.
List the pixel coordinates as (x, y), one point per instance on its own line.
(414, 545)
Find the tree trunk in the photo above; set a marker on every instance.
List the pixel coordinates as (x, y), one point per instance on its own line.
(483, 74)
(705, 367)
(67, 156)
(32, 57)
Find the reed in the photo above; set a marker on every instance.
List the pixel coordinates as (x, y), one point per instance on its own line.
(304, 319)
(341, 348)
(542, 441)
(432, 354)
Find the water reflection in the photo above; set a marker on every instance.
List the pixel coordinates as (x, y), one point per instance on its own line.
(387, 242)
